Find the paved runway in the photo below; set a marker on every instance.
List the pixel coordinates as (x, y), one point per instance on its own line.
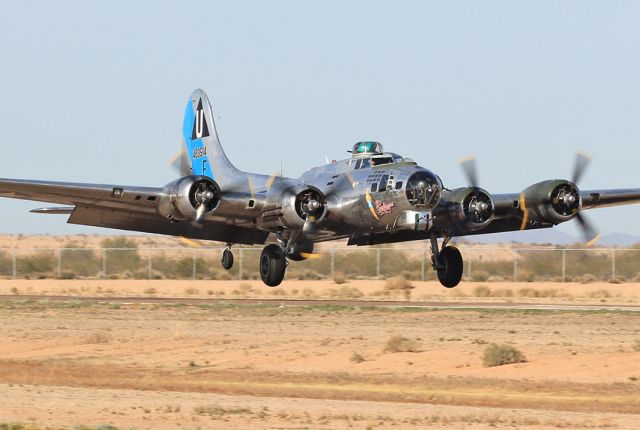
(353, 303)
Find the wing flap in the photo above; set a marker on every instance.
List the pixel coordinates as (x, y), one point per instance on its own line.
(153, 223)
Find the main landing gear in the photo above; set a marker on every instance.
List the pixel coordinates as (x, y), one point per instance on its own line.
(273, 263)
(447, 263)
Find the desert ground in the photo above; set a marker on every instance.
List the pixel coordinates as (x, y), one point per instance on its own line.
(165, 366)
(94, 353)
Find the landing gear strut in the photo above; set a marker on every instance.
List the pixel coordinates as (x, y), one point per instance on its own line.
(273, 265)
(227, 257)
(447, 263)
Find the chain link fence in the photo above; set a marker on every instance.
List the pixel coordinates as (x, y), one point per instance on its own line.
(481, 264)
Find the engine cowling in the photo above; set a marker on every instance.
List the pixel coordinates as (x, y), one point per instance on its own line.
(189, 198)
(299, 208)
(552, 202)
(470, 207)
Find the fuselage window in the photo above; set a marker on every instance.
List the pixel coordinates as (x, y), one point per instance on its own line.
(383, 182)
(374, 187)
(398, 185)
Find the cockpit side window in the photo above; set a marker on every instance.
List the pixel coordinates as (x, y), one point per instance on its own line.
(358, 164)
(366, 162)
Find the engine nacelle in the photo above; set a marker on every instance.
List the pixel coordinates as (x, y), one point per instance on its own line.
(297, 206)
(189, 197)
(470, 207)
(552, 201)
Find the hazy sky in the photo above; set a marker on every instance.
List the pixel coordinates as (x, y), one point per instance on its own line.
(95, 92)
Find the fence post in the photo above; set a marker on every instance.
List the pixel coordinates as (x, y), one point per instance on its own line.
(104, 263)
(14, 270)
(378, 262)
(59, 262)
(613, 264)
(564, 265)
(241, 262)
(149, 266)
(515, 265)
(333, 263)
(193, 267)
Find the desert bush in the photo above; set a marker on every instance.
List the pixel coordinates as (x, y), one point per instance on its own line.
(482, 291)
(588, 278)
(345, 293)
(97, 338)
(309, 275)
(600, 294)
(6, 264)
(397, 283)
(40, 263)
(124, 260)
(636, 345)
(80, 262)
(498, 355)
(480, 276)
(356, 358)
(339, 278)
(502, 292)
(402, 344)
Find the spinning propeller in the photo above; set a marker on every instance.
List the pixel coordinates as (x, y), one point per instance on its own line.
(589, 232)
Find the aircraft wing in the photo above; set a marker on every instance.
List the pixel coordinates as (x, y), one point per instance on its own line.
(122, 207)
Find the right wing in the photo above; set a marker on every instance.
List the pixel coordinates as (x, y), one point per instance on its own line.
(123, 207)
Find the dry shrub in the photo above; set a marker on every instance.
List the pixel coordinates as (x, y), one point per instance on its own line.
(502, 292)
(346, 293)
(309, 275)
(402, 344)
(339, 278)
(356, 358)
(97, 338)
(498, 355)
(636, 345)
(600, 294)
(588, 278)
(397, 283)
(482, 291)
(480, 276)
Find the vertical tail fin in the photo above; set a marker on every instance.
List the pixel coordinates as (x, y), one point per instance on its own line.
(204, 154)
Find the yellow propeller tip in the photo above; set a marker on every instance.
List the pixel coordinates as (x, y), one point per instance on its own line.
(189, 242)
(593, 241)
(310, 255)
(467, 158)
(584, 154)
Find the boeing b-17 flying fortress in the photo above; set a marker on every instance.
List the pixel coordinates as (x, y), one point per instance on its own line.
(373, 197)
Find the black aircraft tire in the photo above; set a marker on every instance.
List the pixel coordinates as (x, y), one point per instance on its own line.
(273, 265)
(451, 274)
(227, 259)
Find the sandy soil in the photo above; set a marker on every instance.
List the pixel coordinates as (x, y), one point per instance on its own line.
(151, 366)
(495, 292)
